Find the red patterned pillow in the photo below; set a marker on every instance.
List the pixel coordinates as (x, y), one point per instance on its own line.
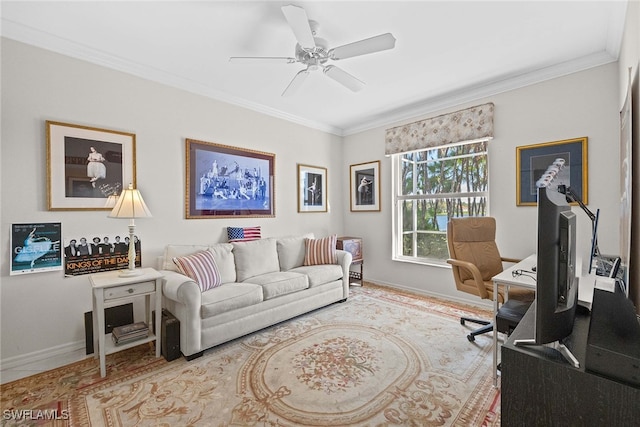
(320, 251)
(201, 267)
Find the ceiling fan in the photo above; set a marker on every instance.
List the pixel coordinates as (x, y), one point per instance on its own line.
(315, 53)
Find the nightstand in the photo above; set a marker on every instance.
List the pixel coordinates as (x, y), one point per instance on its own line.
(353, 245)
(109, 289)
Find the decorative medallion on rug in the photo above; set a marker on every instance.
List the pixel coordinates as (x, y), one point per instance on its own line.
(382, 358)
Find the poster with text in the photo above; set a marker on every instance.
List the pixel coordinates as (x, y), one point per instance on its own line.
(36, 247)
(86, 255)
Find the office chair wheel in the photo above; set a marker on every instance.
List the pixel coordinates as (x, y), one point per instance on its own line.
(462, 321)
(471, 338)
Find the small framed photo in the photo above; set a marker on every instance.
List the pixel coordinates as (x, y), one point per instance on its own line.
(86, 165)
(533, 160)
(312, 188)
(228, 182)
(365, 187)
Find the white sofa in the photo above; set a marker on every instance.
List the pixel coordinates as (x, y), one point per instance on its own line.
(263, 283)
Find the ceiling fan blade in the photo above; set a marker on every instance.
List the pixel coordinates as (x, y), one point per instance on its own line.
(263, 59)
(343, 78)
(299, 23)
(364, 47)
(295, 84)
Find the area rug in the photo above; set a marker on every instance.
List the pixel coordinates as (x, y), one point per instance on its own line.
(383, 358)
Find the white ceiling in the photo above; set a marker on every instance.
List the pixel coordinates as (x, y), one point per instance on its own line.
(446, 53)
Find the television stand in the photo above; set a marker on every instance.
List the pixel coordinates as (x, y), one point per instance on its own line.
(538, 384)
(556, 345)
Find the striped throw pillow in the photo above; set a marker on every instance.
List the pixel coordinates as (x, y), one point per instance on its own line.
(320, 251)
(201, 268)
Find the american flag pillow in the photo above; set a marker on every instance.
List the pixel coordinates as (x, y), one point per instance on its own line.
(243, 234)
(201, 267)
(320, 251)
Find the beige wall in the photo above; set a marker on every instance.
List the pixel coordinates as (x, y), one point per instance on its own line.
(44, 312)
(580, 104)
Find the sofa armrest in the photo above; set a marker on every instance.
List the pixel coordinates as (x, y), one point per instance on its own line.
(344, 260)
(183, 299)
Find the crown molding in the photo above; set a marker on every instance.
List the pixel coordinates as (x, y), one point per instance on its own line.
(479, 91)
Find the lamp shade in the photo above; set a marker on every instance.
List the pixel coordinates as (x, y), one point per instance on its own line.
(111, 201)
(130, 205)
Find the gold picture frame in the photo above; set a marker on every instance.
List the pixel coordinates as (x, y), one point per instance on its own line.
(228, 182)
(85, 165)
(533, 160)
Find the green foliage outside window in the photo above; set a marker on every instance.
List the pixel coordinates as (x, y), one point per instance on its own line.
(435, 185)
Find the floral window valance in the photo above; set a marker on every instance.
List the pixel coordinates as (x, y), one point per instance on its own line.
(464, 125)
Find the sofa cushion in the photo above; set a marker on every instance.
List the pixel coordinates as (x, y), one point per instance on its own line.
(229, 296)
(320, 251)
(201, 267)
(320, 274)
(280, 283)
(291, 251)
(172, 251)
(222, 253)
(255, 258)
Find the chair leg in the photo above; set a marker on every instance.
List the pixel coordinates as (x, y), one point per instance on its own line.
(487, 327)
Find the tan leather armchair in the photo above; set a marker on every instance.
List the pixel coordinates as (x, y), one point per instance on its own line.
(475, 260)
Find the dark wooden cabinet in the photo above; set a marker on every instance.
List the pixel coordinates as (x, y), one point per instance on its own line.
(540, 388)
(353, 245)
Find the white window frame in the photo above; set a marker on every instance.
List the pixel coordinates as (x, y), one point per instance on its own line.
(397, 198)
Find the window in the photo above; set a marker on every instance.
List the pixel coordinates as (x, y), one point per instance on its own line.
(432, 186)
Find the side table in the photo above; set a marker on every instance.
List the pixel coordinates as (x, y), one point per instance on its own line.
(109, 289)
(353, 245)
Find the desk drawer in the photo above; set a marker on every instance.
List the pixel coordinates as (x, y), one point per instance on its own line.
(129, 290)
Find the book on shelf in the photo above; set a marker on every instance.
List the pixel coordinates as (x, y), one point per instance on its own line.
(130, 337)
(126, 330)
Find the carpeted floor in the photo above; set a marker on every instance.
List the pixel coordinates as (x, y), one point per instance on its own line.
(383, 358)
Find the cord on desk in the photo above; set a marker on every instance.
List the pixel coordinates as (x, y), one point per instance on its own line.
(526, 273)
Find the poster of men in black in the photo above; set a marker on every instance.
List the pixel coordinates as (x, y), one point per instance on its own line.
(93, 254)
(36, 248)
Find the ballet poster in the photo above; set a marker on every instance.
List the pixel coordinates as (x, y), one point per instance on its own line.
(36, 247)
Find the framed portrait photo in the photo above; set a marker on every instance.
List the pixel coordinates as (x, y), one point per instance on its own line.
(86, 165)
(365, 186)
(228, 182)
(312, 188)
(533, 160)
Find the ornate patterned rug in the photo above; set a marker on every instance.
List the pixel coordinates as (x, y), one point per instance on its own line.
(383, 358)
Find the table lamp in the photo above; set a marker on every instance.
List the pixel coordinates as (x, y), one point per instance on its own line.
(130, 205)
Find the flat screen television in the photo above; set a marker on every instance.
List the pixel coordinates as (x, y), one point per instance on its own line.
(557, 285)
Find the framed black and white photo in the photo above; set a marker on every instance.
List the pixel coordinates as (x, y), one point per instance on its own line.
(36, 247)
(228, 182)
(312, 188)
(86, 165)
(365, 186)
(533, 160)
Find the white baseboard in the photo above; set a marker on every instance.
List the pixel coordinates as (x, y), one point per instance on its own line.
(40, 355)
(484, 304)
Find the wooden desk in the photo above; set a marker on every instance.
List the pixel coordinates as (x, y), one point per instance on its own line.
(507, 278)
(540, 387)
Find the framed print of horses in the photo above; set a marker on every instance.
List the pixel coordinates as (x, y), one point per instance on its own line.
(365, 187)
(228, 182)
